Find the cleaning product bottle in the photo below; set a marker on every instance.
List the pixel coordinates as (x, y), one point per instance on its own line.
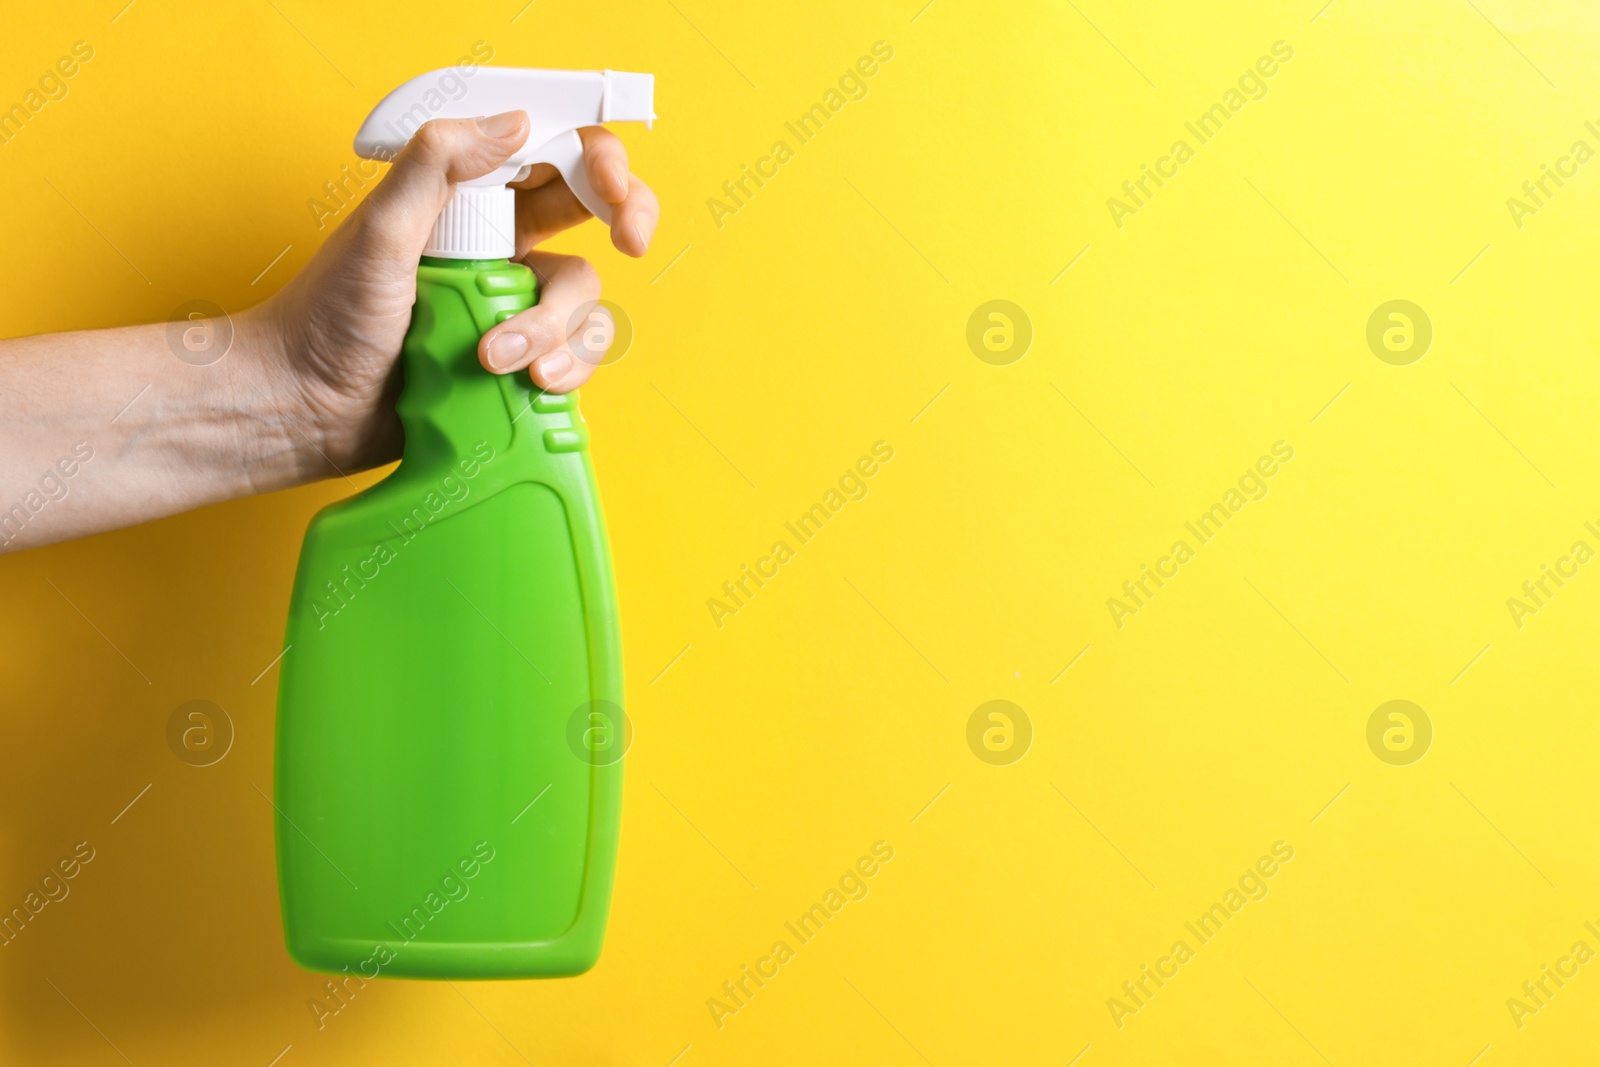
(449, 715)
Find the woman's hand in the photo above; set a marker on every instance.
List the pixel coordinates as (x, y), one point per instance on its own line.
(340, 322)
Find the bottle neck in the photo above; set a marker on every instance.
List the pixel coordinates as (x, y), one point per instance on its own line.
(450, 404)
(465, 264)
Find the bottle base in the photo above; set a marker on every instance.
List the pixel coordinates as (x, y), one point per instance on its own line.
(444, 960)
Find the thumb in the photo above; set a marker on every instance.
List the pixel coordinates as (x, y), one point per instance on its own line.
(405, 204)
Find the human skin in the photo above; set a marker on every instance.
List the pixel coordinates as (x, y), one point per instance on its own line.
(307, 389)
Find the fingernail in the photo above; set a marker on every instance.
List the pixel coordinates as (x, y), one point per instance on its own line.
(643, 228)
(619, 177)
(504, 348)
(502, 125)
(550, 368)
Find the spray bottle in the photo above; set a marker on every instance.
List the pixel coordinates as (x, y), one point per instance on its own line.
(450, 730)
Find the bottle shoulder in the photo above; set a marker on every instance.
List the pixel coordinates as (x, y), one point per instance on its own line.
(441, 487)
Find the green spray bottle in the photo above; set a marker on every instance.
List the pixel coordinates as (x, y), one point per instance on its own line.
(450, 726)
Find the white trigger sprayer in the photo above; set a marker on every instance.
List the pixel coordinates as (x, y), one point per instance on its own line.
(479, 222)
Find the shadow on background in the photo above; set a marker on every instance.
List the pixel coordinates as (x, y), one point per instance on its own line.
(174, 922)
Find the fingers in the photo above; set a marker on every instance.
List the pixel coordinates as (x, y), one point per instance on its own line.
(606, 160)
(403, 207)
(634, 222)
(546, 206)
(555, 338)
(558, 341)
(635, 208)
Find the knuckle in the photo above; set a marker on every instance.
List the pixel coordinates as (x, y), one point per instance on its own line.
(540, 326)
(433, 139)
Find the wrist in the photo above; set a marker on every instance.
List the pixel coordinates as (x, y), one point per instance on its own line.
(282, 440)
(333, 389)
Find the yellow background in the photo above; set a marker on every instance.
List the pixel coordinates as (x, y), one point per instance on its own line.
(829, 712)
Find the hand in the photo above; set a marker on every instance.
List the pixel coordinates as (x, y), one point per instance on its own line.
(339, 324)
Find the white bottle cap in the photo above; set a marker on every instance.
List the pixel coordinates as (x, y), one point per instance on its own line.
(479, 222)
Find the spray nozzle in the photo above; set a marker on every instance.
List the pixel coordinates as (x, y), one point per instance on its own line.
(479, 222)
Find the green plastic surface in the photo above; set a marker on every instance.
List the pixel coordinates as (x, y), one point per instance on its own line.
(449, 728)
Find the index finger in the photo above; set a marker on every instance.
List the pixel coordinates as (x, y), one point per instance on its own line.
(606, 160)
(546, 206)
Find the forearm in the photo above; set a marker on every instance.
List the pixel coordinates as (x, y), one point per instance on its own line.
(107, 428)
